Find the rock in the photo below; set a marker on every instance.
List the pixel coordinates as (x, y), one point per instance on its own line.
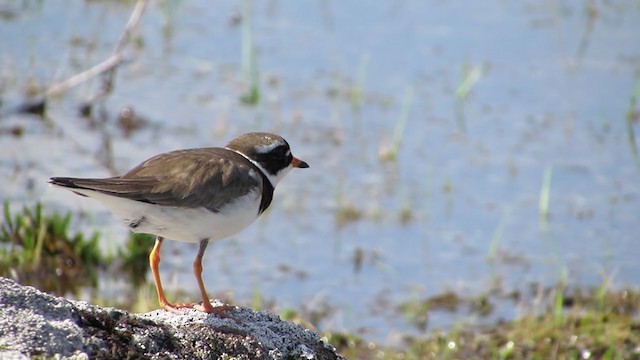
(33, 323)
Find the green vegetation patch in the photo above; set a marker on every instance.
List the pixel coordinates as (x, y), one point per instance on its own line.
(36, 249)
(594, 324)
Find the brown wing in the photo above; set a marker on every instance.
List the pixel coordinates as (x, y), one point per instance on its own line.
(206, 177)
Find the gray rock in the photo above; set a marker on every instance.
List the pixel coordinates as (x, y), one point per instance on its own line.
(33, 323)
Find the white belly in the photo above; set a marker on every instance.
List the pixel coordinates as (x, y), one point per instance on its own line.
(182, 224)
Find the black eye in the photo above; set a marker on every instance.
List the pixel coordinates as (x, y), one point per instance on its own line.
(279, 152)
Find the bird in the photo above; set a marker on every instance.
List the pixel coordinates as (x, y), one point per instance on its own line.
(194, 195)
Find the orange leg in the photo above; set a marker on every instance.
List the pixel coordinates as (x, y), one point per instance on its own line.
(197, 271)
(154, 261)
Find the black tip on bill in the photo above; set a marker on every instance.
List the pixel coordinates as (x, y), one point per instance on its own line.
(299, 163)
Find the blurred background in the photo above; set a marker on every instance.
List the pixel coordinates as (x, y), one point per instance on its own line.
(470, 153)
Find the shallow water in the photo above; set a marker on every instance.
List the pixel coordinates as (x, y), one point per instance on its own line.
(553, 92)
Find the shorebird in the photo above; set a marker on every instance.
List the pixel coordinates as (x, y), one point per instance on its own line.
(194, 195)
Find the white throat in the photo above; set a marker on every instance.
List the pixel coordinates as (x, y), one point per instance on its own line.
(273, 179)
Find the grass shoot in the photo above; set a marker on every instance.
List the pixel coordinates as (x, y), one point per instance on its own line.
(390, 153)
(249, 63)
(357, 90)
(545, 195)
(497, 235)
(631, 117)
(471, 75)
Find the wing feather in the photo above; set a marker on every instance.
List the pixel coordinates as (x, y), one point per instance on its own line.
(205, 177)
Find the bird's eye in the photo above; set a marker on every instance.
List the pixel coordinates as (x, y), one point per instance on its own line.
(280, 152)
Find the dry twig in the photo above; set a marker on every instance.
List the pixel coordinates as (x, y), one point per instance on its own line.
(107, 67)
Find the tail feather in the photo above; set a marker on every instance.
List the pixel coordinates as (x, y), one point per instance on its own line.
(64, 182)
(132, 189)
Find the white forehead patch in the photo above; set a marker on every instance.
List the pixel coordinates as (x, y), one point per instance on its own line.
(265, 149)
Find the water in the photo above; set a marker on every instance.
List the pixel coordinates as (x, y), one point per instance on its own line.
(554, 89)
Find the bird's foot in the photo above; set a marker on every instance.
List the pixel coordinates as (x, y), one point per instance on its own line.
(220, 311)
(175, 308)
(206, 307)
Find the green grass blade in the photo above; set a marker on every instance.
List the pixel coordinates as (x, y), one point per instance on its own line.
(497, 235)
(545, 195)
(357, 91)
(7, 215)
(630, 118)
